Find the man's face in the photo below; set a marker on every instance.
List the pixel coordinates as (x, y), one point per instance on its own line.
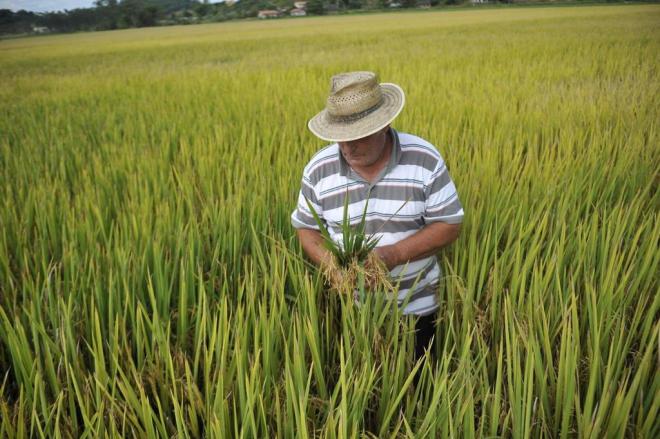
(366, 151)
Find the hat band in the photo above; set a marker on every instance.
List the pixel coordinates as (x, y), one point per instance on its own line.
(355, 116)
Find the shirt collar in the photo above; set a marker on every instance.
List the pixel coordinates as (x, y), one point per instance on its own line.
(395, 157)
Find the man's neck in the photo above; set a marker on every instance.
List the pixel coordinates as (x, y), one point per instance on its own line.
(371, 172)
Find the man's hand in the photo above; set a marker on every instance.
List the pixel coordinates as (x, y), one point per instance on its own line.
(312, 243)
(336, 276)
(376, 272)
(389, 255)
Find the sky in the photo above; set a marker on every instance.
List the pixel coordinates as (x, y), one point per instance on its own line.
(44, 5)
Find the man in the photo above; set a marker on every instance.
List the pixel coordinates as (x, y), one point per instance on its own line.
(372, 161)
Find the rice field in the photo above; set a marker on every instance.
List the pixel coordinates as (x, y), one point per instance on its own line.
(151, 284)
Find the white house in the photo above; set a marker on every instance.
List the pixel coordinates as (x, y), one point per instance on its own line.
(268, 13)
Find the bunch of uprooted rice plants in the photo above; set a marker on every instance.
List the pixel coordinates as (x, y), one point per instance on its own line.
(151, 285)
(352, 266)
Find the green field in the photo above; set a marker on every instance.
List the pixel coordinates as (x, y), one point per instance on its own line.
(151, 284)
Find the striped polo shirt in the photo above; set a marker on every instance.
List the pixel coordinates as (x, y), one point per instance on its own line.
(415, 172)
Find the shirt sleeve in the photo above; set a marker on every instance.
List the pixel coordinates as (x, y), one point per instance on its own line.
(302, 217)
(442, 203)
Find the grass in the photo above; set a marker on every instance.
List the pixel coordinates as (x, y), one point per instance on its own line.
(151, 285)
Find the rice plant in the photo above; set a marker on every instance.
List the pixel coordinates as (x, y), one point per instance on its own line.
(353, 266)
(355, 245)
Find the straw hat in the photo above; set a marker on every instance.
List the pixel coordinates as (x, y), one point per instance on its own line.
(356, 107)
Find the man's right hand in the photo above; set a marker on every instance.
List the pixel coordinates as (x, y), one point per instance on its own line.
(312, 244)
(335, 275)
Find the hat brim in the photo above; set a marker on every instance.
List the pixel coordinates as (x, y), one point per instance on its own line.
(324, 127)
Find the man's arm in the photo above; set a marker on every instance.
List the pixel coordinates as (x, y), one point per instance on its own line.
(422, 244)
(312, 243)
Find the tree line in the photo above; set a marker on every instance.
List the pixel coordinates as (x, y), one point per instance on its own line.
(120, 14)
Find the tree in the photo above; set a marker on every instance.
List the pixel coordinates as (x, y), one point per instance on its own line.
(138, 13)
(374, 4)
(108, 13)
(315, 7)
(203, 9)
(147, 16)
(16, 22)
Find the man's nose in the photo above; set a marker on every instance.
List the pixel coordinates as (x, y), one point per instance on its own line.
(349, 146)
(355, 144)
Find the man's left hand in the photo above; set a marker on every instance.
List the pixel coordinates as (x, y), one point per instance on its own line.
(389, 255)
